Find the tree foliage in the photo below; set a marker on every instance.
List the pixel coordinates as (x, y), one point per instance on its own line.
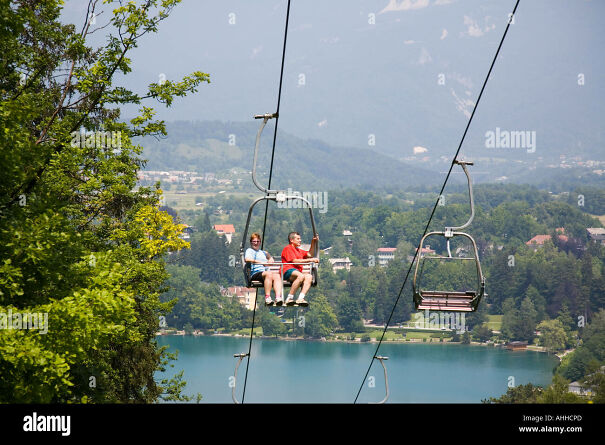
(320, 320)
(78, 240)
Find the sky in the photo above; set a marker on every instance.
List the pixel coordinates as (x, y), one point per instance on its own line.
(389, 75)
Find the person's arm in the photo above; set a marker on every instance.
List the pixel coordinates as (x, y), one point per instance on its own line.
(310, 257)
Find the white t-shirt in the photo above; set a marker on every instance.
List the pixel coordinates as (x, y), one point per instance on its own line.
(257, 255)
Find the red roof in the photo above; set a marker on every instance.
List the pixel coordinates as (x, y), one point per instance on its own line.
(225, 228)
(387, 249)
(538, 239)
(541, 239)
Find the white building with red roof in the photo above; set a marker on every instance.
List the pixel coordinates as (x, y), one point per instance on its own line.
(225, 229)
(245, 295)
(385, 254)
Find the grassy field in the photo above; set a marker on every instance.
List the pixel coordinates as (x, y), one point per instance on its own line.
(494, 322)
(378, 333)
(393, 336)
(180, 201)
(245, 332)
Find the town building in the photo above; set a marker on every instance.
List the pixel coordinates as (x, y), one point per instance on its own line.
(340, 264)
(225, 229)
(539, 240)
(516, 345)
(385, 254)
(426, 250)
(245, 295)
(596, 234)
(187, 232)
(349, 237)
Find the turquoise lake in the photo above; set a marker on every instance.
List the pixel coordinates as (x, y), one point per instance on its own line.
(282, 371)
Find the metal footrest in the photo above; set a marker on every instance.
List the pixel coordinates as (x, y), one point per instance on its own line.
(272, 304)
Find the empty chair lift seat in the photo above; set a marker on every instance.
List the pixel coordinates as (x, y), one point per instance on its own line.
(447, 301)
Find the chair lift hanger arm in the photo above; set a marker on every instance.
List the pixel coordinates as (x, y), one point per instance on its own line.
(265, 118)
(463, 164)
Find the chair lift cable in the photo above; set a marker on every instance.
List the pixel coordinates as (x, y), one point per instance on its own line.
(281, 78)
(440, 194)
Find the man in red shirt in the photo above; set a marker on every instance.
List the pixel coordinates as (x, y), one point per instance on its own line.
(294, 272)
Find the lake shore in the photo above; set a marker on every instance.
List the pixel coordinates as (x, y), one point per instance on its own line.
(358, 340)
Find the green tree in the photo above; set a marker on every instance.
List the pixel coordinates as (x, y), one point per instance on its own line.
(568, 325)
(595, 382)
(349, 314)
(271, 324)
(78, 240)
(526, 321)
(576, 364)
(477, 318)
(202, 223)
(538, 301)
(320, 320)
(528, 393)
(552, 335)
(558, 392)
(509, 319)
(482, 333)
(466, 338)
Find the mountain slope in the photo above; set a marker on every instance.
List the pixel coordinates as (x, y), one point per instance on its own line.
(302, 164)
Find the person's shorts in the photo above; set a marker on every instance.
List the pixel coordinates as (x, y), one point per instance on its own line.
(288, 274)
(258, 276)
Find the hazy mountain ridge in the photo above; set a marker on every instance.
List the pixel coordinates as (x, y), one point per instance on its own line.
(405, 76)
(303, 163)
(299, 163)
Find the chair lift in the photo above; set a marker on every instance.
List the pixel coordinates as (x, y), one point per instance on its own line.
(278, 196)
(440, 300)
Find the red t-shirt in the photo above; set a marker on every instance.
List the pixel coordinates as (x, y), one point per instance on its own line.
(291, 253)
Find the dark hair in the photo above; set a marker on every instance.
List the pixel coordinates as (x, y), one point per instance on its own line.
(291, 235)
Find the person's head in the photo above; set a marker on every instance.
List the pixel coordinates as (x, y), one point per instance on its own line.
(255, 240)
(294, 238)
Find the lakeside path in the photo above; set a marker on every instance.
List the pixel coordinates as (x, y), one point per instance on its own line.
(358, 340)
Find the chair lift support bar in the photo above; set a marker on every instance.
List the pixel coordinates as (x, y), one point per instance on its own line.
(241, 357)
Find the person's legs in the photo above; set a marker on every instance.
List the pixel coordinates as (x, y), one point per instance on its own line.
(277, 285)
(308, 280)
(296, 278)
(268, 280)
